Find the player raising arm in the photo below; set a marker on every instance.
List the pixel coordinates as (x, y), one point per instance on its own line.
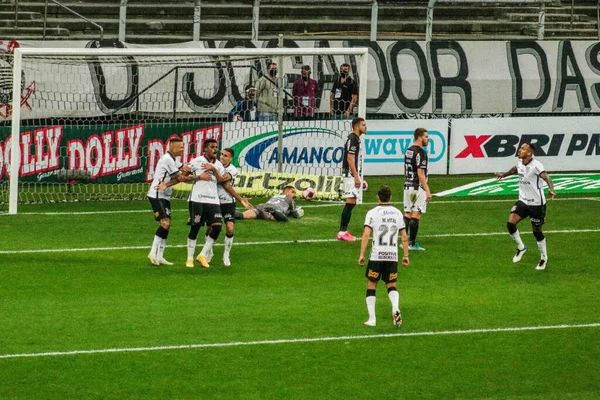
(384, 222)
(531, 203)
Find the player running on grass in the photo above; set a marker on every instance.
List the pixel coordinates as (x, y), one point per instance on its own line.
(385, 222)
(531, 203)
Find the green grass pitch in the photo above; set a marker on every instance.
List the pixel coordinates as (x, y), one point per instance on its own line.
(286, 320)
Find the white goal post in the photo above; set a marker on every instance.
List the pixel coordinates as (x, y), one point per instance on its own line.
(289, 60)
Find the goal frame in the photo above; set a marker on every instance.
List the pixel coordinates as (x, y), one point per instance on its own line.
(274, 53)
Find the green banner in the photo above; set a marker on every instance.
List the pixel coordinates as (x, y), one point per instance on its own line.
(99, 152)
(563, 184)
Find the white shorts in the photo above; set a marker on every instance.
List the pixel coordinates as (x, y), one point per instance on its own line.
(415, 200)
(350, 191)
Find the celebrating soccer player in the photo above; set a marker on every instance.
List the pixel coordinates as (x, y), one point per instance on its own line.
(531, 203)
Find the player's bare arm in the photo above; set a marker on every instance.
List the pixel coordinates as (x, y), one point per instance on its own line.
(353, 170)
(424, 185)
(405, 259)
(363, 245)
(227, 186)
(510, 172)
(544, 175)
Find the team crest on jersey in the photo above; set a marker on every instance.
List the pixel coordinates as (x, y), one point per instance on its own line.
(6, 80)
(156, 214)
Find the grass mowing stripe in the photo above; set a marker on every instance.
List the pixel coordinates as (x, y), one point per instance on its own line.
(300, 340)
(277, 242)
(325, 204)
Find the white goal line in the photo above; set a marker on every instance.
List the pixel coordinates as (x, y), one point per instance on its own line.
(300, 340)
(295, 241)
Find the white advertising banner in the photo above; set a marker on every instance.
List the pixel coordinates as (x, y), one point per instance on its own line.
(406, 76)
(316, 147)
(481, 145)
(387, 141)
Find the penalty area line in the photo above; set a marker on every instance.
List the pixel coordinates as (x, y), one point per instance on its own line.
(296, 241)
(299, 340)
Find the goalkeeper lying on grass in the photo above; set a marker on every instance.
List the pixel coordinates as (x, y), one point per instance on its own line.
(278, 208)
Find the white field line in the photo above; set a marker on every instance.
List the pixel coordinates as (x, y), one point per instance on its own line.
(113, 248)
(317, 205)
(300, 340)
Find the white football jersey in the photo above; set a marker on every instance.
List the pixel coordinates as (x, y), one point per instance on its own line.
(205, 191)
(224, 196)
(167, 167)
(531, 186)
(386, 221)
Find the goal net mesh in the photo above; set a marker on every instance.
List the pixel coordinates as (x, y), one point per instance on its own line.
(94, 127)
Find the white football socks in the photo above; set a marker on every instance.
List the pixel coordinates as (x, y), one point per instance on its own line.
(208, 245)
(191, 248)
(161, 249)
(542, 248)
(228, 245)
(371, 307)
(155, 246)
(395, 300)
(517, 239)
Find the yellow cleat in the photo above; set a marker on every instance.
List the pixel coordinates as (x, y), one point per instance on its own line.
(189, 263)
(203, 261)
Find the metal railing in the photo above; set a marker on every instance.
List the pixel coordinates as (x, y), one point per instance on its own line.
(432, 3)
(72, 12)
(256, 16)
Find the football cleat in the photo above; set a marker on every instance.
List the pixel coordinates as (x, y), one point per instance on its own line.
(153, 259)
(371, 322)
(397, 319)
(162, 261)
(189, 263)
(542, 265)
(416, 247)
(202, 260)
(519, 254)
(346, 237)
(226, 262)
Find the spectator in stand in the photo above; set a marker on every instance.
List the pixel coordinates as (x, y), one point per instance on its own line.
(245, 110)
(344, 95)
(305, 92)
(267, 93)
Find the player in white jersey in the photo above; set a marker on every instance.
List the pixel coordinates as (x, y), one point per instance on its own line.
(167, 168)
(204, 205)
(227, 198)
(385, 222)
(531, 203)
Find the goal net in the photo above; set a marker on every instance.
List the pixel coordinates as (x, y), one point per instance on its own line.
(91, 124)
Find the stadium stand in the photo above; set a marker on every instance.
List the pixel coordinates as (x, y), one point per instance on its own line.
(153, 21)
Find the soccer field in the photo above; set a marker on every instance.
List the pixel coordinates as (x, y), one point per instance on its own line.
(84, 315)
